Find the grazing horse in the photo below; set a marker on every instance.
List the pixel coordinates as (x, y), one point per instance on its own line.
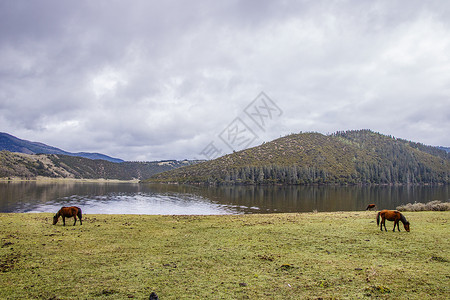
(68, 212)
(391, 215)
(370, 206)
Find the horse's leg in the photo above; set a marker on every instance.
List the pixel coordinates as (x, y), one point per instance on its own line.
(64, 220)
(75, 219)
(384, 224)
(395, 223)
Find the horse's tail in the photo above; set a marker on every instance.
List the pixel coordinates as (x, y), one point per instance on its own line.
(378, 218)
(79, 213)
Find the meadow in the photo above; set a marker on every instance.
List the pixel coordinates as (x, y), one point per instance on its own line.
(341, 255)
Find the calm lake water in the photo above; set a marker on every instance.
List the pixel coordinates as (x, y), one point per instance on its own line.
(134, 198)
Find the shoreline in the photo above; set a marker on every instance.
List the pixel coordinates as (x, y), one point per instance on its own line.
(61, 180)
(344, 213)
(146, 181)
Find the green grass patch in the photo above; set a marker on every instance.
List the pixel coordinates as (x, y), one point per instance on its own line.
(339, 255)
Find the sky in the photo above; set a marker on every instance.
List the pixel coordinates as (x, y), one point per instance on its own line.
(156, 80)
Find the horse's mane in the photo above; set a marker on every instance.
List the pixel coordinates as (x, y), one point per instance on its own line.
(403, 219)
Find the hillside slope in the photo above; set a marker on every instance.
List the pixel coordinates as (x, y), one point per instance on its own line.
(65, 166)
(13, 144)
(351, 157)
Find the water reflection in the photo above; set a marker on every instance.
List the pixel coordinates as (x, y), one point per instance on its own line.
(104, 198)
(271, 199)
(129, 198)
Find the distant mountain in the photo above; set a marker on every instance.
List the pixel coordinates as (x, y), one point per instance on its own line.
(30, 166)
(446, 149)
(347, 157)
(13, 144)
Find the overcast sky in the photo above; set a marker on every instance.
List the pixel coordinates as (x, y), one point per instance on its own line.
(152, 80)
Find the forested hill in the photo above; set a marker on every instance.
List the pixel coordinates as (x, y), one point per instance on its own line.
(64, 166)
(350, 157)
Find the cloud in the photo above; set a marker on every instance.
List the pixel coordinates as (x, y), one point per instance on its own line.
(155, 80)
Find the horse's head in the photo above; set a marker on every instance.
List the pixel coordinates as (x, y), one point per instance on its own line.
(55, 219)
(406, 225)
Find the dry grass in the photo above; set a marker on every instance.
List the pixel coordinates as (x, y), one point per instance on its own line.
(435, 205)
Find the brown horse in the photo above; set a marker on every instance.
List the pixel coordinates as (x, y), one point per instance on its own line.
(68, 212)
(370, 206)
(391, 215)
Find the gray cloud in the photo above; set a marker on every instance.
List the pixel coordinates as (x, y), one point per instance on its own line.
(147, 80)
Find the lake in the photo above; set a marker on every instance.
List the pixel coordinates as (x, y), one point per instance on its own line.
(151, 199)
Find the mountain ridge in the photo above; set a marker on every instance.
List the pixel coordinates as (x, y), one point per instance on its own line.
(32, 166)
(11, 143)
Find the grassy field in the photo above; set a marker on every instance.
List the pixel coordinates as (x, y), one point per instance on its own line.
(280, 256)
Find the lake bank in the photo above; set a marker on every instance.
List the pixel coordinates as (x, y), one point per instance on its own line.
(276, 256)
(60, 179)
